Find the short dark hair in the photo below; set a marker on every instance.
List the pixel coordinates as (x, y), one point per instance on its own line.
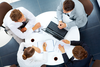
(15, 15)
(68, 5)
(79, 52)
(28, 52)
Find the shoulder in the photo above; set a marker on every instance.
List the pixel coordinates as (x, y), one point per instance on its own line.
(22, 9)
(7, 18)
(22, 43)
(78, 6)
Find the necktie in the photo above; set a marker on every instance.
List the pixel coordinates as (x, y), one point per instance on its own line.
(67, 14)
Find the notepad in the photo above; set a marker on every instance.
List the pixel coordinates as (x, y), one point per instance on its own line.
(50, 45)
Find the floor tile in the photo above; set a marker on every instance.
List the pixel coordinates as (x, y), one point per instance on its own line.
(10, 47)
(60, 65)
(1, 63)
(97, 56)
(48, 5)
(92, 38)
(8, 1)
(93, 19)
(98, 9)
(9, 59)
(31, 5)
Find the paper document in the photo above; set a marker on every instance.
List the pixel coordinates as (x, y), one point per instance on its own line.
(50, 45)
(68, 48)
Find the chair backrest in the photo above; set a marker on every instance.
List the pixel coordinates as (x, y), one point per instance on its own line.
(4, 8)
(88, 6)
(96, 63)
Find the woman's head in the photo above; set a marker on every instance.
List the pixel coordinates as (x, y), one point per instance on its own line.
(79, 52)
(28, 52)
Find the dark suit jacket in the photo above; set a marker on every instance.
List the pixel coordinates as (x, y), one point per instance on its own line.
(77, 63)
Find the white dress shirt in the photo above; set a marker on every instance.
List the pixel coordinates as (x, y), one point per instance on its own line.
(14, 25)
(32, 61)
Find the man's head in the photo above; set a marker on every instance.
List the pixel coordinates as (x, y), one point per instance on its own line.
(68, 6)
(28, 52)
(17, 16)
(79, 52)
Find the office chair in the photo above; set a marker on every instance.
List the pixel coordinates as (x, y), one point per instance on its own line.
(88, 6)
(4, 8)
(96, 63)
(95, 60)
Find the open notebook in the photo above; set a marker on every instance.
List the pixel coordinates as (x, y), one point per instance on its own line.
(50, 45)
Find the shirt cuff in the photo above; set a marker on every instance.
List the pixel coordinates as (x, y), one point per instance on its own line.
(60, 20)
(44, 51)
(64, 53)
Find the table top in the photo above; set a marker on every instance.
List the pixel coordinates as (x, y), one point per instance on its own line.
(45, 19)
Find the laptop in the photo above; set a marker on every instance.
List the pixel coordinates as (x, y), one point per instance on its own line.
(53, 29)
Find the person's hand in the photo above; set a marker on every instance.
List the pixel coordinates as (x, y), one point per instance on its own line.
(23, 29)
(37, 49)
(61, 25)
(37, 25)
(61, 48)
(44, 46)
(66, 41)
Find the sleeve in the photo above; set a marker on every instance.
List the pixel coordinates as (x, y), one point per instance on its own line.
(65, 57)
(39, 62)
(18, 33)
(30, 16)
(20, 50)
(79, 22)
(77, 43)
(60, 11)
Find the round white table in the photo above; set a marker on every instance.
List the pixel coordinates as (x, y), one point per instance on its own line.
(44, 19)
(4, 38)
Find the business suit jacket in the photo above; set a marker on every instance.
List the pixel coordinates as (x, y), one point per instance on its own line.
(78, 14)
(77, 63)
